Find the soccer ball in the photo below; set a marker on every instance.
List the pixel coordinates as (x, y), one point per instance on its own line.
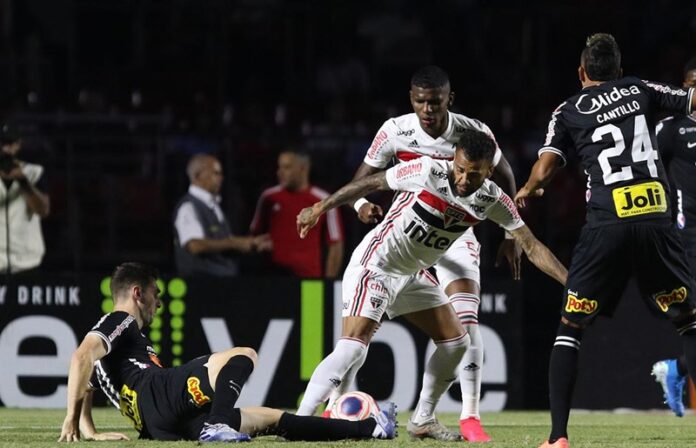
(354, 406)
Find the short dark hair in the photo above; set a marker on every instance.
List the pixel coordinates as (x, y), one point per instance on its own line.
(601, 57)
(131, 273)
(430, 77)
(476, 145)
(690, 65)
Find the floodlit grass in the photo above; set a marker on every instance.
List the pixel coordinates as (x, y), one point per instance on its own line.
(28, 428)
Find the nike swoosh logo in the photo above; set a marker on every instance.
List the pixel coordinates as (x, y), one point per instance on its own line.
(691, 145)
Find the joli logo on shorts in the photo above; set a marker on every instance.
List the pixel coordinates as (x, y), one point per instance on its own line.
(639, 199)
(194, 389)
(575, 305)
(665, 300)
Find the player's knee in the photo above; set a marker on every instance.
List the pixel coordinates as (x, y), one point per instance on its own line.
(569, 335)
(247, 352)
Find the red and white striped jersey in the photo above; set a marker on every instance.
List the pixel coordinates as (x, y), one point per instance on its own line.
(402, 139)
(423, 223)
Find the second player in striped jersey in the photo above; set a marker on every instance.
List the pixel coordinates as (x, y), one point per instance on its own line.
(432, 130)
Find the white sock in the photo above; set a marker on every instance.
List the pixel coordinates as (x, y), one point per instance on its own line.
(439, 375)
(330, 374)
(348, 378)
(466, 306)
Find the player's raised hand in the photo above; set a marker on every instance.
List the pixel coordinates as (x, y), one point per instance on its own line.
(307, 219)
(524, 193)
(70, 431)
(511, 251)
(370, 213)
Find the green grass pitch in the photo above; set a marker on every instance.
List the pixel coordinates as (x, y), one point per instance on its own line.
(27, 428)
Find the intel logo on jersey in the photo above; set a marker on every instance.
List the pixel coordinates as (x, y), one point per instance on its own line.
(592, 105)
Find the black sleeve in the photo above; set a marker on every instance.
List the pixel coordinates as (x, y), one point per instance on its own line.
(668, 97)
(558, 140)
(113, 328)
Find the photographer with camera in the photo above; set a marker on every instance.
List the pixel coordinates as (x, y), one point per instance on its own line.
(22, 205)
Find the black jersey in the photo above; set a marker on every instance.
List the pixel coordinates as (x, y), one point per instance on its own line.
(610, 127)
(129, 356)
(676, 138)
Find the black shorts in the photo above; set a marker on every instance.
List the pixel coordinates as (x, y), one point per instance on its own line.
(175, 402)
(606, 257)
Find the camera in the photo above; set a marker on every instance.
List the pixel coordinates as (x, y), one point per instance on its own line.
(7, 162)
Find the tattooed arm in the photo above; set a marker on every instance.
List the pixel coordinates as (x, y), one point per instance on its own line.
(309, 216)
(540, 255)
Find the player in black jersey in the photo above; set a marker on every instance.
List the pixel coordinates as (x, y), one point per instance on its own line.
(194, 401)
(609, 125)
(676, 138)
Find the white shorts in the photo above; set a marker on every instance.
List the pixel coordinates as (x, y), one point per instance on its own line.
(461, 260)
(371, 294)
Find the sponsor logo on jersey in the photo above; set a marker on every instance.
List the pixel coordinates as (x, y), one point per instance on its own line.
(683, 131)
(484, 198)
(413, 144)
(640, 199)
(665, 300)
(121, 328)
(193, 385)
(377, 143)
(665, 89)
(586, 105)
(575, 305)
(407, 133)
(439, 174)
(428, 238)
(128, 404)
(409, 170)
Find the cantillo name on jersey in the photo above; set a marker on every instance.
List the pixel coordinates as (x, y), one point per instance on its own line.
(422, 225)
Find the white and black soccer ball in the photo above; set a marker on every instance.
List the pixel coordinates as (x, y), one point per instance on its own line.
(354, 406)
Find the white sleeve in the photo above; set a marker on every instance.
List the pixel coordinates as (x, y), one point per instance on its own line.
(188, 227)
(409, 176)
(504, 213)
(381, 150)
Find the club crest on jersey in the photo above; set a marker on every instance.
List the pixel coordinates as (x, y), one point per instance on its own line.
(453, 215)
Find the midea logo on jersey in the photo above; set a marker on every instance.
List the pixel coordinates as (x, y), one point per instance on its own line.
(605, 99)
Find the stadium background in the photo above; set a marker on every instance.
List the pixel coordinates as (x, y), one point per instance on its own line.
(114, 97)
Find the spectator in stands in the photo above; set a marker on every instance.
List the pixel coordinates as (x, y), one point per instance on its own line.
(22, 205)
(277, 210)
(203, 239)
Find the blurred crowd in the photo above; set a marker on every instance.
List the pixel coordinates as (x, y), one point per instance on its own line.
(114, 113)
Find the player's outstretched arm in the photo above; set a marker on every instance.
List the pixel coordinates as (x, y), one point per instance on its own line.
(309, 216)
(542, 172)
(540, 255)
(81, 364)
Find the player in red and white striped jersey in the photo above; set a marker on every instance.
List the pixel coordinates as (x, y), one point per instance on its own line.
(386, 274)
(432, 130)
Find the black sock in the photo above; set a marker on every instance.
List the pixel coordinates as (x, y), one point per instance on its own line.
(562, 373)
(296, 427)
(682, 368)
(228, 386)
